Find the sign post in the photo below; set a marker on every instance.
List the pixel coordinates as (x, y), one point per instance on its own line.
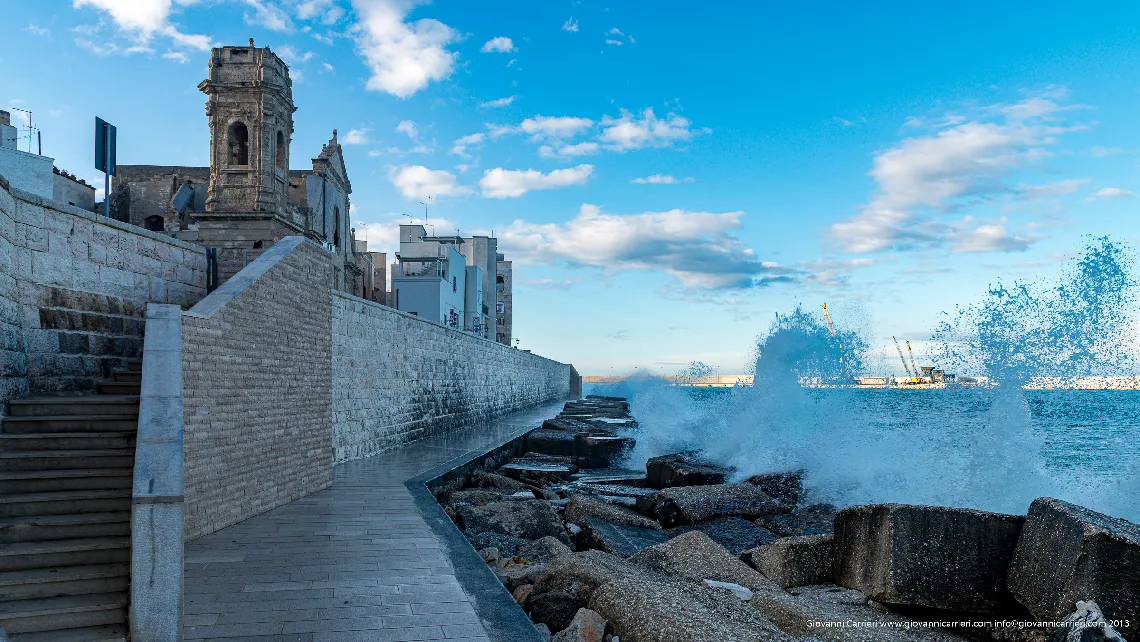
(105, 134)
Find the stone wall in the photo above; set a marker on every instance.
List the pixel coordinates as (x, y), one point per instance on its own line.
(73, 291)
(256, 368)
(398, 378)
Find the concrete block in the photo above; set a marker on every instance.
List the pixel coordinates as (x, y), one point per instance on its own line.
(946, 558)
(1068, 553)
(35, 238)
(693, 504)
(794, 561)
(156, 572)
(29, 214)
(683, 469)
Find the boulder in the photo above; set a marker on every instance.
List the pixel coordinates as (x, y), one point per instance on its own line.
(491, 555)
(794, 561)
(514, 572)
(829, 593)
(784, 487)
(543, 550)
(683, 469)
(582, 506)
(741, 592)
(557, 609)
(611, 476)
(539, 470)
(694, 556)
(507, 545)
(569, 425)
(1068, 553)
(485, 479)
(1086, 624)
(817, 519)
(473, 498)
(587, 626)
(524, 520)
(663, 611)
(694, 504)
(617, 539)
(544, 631)
(551, 442)
(733, 533)
(599, 451)
(612, 490)
(522, 594)
(932, 556)
(568, 581)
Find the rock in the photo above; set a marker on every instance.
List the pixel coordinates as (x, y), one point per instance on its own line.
(829, 593)
(662, 611)
(933, 556)
(597, 451)
(568, 581)
(557, 609)
(473, 498)
(484, 479)
(587, 626)
(1068, 553)
(515, 572)
(1086, 624)
(620, 540)
(574, 529)
(696, 557)
(694, 504)
(611, 476)
(568, 425)
(683, 469)
(551, 442)
(817, 519)
(506, 544)
(742, 592)
(582, 507)
(543, 550)
(544, 631)
(490, 555)
(522, 593)
(783, 487)
(539, 470)
(524, 520)
(794, 561)
(733, 533)
(614, 490)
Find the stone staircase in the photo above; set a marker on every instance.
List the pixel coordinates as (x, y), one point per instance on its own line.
(66, 465)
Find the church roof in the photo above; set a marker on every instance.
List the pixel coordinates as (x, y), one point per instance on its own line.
(331, 163)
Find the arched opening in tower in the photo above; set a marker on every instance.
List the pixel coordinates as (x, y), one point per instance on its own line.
(239, 144)
(281, 150)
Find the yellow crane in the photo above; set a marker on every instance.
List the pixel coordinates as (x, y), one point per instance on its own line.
(911, 353)
(830, 328)
(902, 358)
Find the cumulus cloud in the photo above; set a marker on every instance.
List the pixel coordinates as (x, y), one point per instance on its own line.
(499, 102)
(1058, 188)
(962, 162)
(268, 16)
(459, 147)
(662, 179)
(417, 182)
(355, 137)
(556, 127)
(177, 56)
(630, 132)
(990, 238)
(290, 55)
(326, 11)
(568, 151)
(504, 183)
(570, 25)
(403, 57)
(141, 21)
(408, 127)
(697, 248)
(1111, 192)
(384, 235)
(500, 44)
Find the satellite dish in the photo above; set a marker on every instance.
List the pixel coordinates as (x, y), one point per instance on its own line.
(183, 198)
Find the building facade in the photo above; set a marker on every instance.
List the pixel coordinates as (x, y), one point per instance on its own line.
(503, 300)
(430, 280)
(481, 252)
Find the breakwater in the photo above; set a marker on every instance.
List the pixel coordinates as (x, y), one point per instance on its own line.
(685, 549)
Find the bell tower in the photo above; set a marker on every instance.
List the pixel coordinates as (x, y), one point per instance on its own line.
(250, 109)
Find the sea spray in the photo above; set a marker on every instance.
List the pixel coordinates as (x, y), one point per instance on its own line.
(993, 447)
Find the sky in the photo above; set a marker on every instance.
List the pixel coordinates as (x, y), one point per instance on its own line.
(665, 176)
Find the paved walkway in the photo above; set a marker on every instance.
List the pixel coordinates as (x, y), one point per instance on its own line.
(352, 563)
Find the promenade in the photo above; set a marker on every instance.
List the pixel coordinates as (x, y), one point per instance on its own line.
(355, 562)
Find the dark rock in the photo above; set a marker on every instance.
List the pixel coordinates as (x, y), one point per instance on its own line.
(612, 490)
(733, 533)
(794, 561)
(569, 425)
(817, 519)
(557, 609)
(474, 497)
(544, 631)
(596, 451)
(784, 487)
(490, 555)
(524, 520)
(587, 626)
(543, 550)
(505, 544)
(568, 581)
(582, 506)
(696, 557)
(539, 470)
(1086, 624)
(694, 504)
(1068, 553)
(655, 611)
(551, 442)
(683, 469)
(620, 540)
(932, 556)
(485, 479)
(515, 572)
(829, 593)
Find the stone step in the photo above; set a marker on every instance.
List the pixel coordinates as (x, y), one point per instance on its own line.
(67, 459)
(65, 502)
(118, 388)
(23, 556)
(108, 633)
(75, 405)
(66, 580)
(127, 376)
(35, 528)
(46, 481)
(66, 441)
(62, 613)
(65, 423)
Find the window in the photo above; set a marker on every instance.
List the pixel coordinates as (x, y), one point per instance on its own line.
(281, 149)
(154, 223)
(499, 279)
(336, 225)
(239, 144)
(454, 284)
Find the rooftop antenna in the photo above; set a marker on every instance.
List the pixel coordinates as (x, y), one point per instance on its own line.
(31, 128)
(428, 199)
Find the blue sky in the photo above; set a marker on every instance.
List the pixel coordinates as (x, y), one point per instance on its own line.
(666, 176)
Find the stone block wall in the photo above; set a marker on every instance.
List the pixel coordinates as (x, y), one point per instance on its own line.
(73, 291)
(398, 378)
(256, 368)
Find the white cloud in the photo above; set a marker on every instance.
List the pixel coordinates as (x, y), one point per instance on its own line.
(417, 182)
(268, 16)
(568, 151)
(558, 127)
(990, 238)
(355, 137)
(662, 179)
(141, 20)
(499, 102)
(327, 66)
(1058, 188)
(697, 248)
(459, 148)
(570, 25)
(293, 57)
(610, 41)
(326, 10)
(628, 132)
(1100, 150)
(1111, 192)
(500, 44)
(964, 161)
(503, 183)
(384, 236)
(408, 127)
(36, 30)
(177, 56)
(403, 57)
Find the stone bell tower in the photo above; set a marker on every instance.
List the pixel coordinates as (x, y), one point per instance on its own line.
(250, 108)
